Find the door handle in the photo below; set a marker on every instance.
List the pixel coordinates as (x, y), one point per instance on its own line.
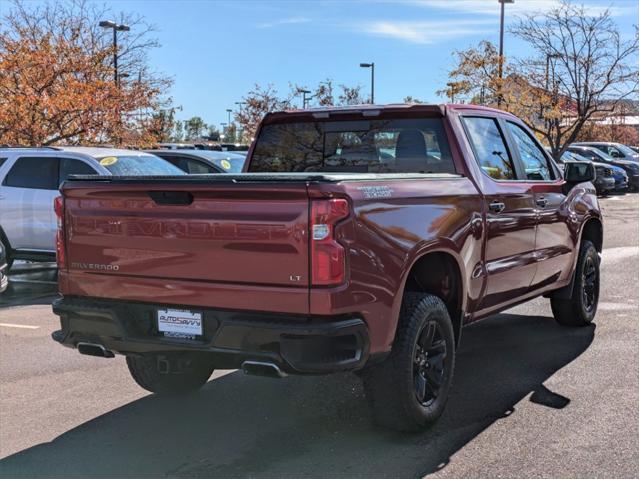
(496, 207)
(541, 202)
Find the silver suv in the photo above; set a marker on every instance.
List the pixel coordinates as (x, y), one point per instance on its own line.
(29, 182)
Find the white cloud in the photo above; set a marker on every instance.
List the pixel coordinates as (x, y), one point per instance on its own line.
(285, 21)
(491, 7)
(426, 32)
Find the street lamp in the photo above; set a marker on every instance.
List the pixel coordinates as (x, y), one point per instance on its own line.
(501, 46)
(304, 93)
(116, 28)
(550, 56)
(372, 67)
(229, 111)
(240, 104)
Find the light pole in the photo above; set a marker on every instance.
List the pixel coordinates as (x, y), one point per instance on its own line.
(372, 67)
(304, 93)
(501, 47)
(240, 104)
(116, 28)
(548, 57)
(229, 111)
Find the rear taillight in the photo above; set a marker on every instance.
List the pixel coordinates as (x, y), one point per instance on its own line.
(60, 251)
(328, 259)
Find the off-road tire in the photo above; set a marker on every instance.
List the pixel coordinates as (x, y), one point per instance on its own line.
(391, 385)
(150, 373)
(576, 311)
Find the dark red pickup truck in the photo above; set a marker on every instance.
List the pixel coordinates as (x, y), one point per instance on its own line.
(358, 238)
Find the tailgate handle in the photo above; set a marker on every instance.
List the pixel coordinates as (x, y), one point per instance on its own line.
(174, 198)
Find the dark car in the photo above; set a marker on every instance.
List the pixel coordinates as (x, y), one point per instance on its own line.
(330, 255)
(203, 161)
(616, 150)
(594, 154)
(604, 171)
(4, 281)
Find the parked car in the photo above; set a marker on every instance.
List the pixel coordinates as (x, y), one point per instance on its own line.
(4, 280)
(29, 181)
(203, 161)
(594, 154)
(616, 150)
(234, 147)
(328, 255)
(608, 178)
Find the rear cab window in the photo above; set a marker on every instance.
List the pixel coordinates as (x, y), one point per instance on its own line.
(368, 146)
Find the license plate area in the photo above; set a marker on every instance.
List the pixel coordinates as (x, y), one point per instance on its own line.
(180, 323)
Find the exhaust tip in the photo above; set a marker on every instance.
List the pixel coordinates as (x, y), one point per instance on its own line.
(93, 349)
(259, 368)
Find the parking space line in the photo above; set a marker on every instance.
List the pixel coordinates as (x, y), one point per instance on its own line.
(21, 326)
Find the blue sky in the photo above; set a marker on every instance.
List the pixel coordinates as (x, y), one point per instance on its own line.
(217, 50)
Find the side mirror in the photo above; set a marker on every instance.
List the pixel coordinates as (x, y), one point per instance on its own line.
(579, 172)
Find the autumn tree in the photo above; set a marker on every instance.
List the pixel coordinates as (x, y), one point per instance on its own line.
(580, 70)
(260, 101)
(475, 77)
(351, 95)
(56, 77)
(412, 99)
(162, 125)
(257, 103)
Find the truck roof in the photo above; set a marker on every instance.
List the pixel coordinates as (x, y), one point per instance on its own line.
(370, 110)
(92, 151)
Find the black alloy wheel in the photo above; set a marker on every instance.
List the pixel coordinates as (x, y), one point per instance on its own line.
(429, 364)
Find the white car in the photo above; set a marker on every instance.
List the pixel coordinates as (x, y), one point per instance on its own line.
(29, 182)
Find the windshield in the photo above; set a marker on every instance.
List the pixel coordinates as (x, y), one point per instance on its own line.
(625, 150)
(378, 146)
(571, 155)
(138, 165)
(592, 154)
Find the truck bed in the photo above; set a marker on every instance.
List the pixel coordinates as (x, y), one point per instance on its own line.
(259, 177)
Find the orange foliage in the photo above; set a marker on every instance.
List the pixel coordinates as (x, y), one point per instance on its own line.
(54, 87)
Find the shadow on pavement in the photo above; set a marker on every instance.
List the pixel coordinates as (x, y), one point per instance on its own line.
(240, 426)
(29, 284)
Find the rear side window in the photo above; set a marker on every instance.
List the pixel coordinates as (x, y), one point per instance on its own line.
(490, 147)
(176, 161)
(378, 146)
(198, 168)
(33, 172)
(70, 167)
(534, 160)
(2, 160)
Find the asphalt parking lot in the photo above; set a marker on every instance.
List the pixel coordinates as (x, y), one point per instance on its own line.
(530, 399)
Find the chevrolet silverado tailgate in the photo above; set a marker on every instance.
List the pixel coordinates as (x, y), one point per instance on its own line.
(253, 233)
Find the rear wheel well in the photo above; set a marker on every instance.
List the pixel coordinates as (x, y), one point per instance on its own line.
(593, 232)
(438, 274)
